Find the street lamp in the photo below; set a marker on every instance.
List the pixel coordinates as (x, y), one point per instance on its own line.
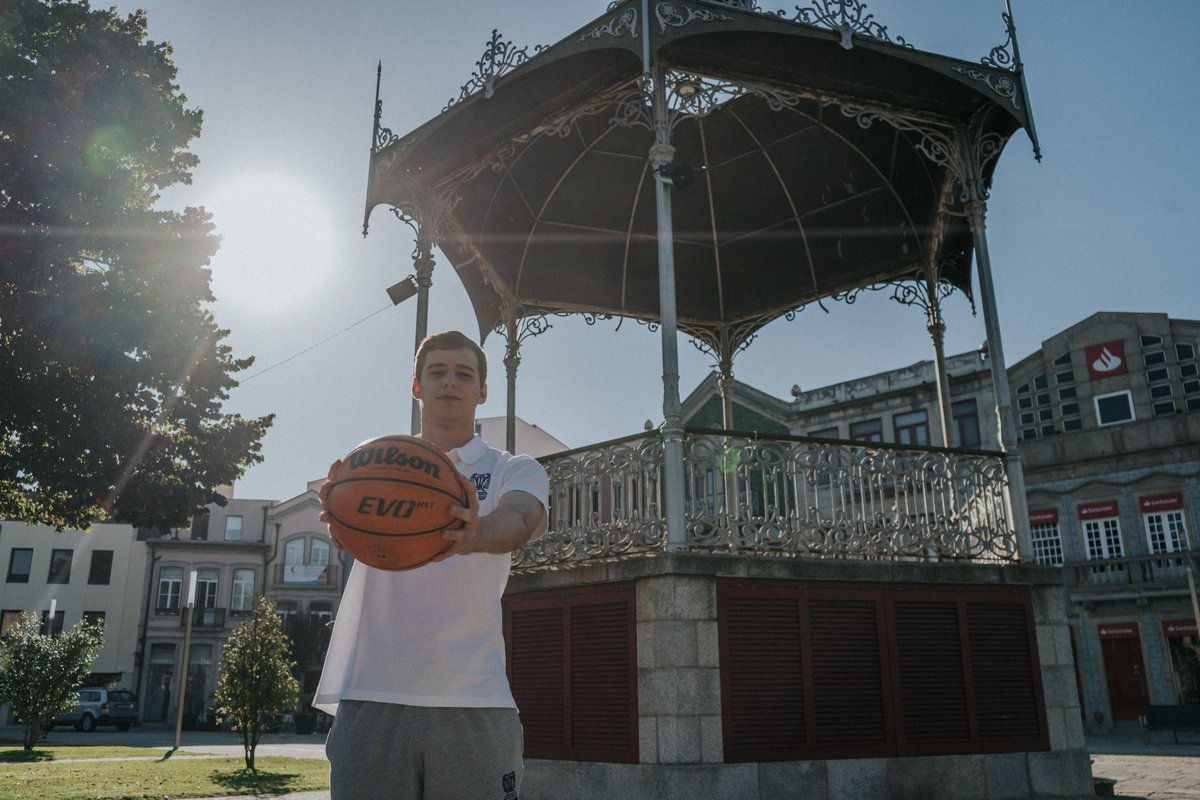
(187, 641)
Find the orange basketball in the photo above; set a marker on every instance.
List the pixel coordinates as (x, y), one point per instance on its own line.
(388, 501)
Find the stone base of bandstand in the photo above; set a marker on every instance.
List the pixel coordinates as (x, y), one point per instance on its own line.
(1064, 775)
(680, 747)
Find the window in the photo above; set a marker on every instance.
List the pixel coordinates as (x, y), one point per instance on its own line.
(320, 611)
(1154, 358)
(206, 588)
(9, 619)
(19, 564)
(1115, 408)
(1104, 542)
(100, 571)
(824, 433)
(1066, 376)
(94, 616)
(1166, 531)
(53, 627)
(1025, 402)
(867, 430)
(60, 567)
(1047, 544)
(170, 585)
(242, 600)
(319, 553)
(285, 609)
(1072, 425)
(912, 427)
(965, 414)
(1150, 340)
(1040, 382)
(1184, 352)
(293, 552)
(233, 529)
(1067, 393)
(1159, 375)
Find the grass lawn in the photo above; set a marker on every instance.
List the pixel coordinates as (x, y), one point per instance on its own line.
(35, 775)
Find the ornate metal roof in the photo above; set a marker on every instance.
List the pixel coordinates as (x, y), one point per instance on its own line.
(810, 156)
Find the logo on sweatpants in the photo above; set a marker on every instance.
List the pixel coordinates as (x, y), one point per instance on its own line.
(509, 784)
(482, 482)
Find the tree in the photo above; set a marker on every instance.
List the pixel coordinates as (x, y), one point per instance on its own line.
(114, 368)
(256, 680)
(39, 673)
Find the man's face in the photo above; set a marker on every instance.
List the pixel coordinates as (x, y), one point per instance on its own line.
(448, 386)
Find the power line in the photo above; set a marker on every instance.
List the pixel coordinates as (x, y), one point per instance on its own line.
(315, 346)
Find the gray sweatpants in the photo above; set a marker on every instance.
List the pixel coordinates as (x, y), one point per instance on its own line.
(383, 751)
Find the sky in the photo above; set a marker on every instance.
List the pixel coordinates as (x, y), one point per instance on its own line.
(1109, 220)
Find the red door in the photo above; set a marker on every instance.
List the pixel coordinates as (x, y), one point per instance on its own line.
(1126, 677)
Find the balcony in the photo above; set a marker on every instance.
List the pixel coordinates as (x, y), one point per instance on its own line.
(780, 496)
(312, 576)
(203, 618)
(1161, 573)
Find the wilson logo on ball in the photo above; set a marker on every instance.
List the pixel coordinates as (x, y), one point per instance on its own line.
(390, 456)
(388, 501)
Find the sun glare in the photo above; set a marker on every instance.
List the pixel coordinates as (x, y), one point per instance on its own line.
(277, 242)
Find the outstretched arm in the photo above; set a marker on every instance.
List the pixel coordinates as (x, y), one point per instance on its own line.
(517, 518)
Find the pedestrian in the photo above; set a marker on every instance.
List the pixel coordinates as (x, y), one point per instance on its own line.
(415, 673)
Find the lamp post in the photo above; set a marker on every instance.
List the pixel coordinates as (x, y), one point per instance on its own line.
(187, 641)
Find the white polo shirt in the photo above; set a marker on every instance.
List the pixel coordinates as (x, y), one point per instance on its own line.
(432, 636)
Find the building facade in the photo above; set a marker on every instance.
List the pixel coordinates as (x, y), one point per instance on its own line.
(1108, 412)
(97, 574)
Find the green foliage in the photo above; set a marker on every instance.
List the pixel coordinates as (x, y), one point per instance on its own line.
(114, 368)
(256, 676)
(39, 673)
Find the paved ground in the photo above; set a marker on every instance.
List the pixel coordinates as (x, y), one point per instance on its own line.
(1160, 769)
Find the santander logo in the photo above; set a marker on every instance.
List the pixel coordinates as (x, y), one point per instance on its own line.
(1107, 362)
(1105, 359)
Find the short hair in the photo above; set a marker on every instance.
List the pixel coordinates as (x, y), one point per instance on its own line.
(449, 340)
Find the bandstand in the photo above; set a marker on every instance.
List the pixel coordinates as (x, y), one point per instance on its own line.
(714, 613)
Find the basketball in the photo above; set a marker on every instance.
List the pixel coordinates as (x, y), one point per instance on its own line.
(388, 501)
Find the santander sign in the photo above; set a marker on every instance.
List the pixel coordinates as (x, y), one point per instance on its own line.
(1106, 358)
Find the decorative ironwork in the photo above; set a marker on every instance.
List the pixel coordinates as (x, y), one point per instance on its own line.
(499, 57)
(783, 497)
(847, 17)
(691, 96)
(910, 291)
(1001, 85)
(668, 15)
(1001, 56)
(429, 220)
(618, 26)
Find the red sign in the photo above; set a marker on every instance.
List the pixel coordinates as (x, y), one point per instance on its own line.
(1045, 516)
(1161, 502)
(1180, 627)
(1106, 358)
(1104, 508)
(1118, 630)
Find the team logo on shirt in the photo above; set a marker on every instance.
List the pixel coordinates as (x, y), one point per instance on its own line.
(482, 483)
(509, 784)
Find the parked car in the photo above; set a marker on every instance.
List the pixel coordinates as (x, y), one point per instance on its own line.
(96, 706)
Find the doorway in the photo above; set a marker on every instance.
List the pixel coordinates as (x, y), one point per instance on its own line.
(1126, 676)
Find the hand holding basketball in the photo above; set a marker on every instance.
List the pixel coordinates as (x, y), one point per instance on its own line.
(463, 537)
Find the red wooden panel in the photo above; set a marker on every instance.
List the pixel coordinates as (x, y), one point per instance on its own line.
(762, 684)
(1008, 696)
(849, 696)
(930, 679)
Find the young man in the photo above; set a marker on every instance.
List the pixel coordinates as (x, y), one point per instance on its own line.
(415, 673)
